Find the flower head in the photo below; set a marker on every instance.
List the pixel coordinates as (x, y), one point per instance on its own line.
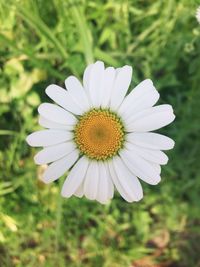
(102, 135)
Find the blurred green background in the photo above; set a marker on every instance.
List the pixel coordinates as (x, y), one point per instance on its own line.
(43, 42)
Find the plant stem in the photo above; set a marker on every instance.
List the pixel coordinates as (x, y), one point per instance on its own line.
(58, 217)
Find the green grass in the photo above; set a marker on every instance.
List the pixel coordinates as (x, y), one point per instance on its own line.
(42, 42)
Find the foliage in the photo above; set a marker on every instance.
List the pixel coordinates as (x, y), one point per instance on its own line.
(42, 42)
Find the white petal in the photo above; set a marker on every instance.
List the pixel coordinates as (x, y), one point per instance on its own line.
(148, 111)
(116, 182)
(105, 186)
(155, 156)
(57, 114)
(59, 167)
(121, 85)
(150, 140)
(63, 98)
(109, 78)
(151, 119)
(118, 70)
(156, 167)
(96, 80)
(110, 182)
(79, 191)
(140, 167)
(77, 92)
(128, 181)
(136, 94)
(75, 177)
(86, 77)
(52, 153)
(53, 125)
(141, 89)
(90, 186)
(48, 137)
(147, 100)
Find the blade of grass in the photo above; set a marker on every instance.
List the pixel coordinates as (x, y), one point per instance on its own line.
(84, 32)
(8, 132)
(143, 35)
(42, 29)
(106, 57)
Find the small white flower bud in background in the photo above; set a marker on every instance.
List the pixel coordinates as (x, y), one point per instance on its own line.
(198, 14)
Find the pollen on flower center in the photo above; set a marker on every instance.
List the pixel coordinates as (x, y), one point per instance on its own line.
(99, 134)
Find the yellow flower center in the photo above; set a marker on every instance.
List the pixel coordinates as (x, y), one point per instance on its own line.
(99, 134)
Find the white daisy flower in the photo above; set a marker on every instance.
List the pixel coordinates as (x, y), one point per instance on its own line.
(102, 135)
(198, 14)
